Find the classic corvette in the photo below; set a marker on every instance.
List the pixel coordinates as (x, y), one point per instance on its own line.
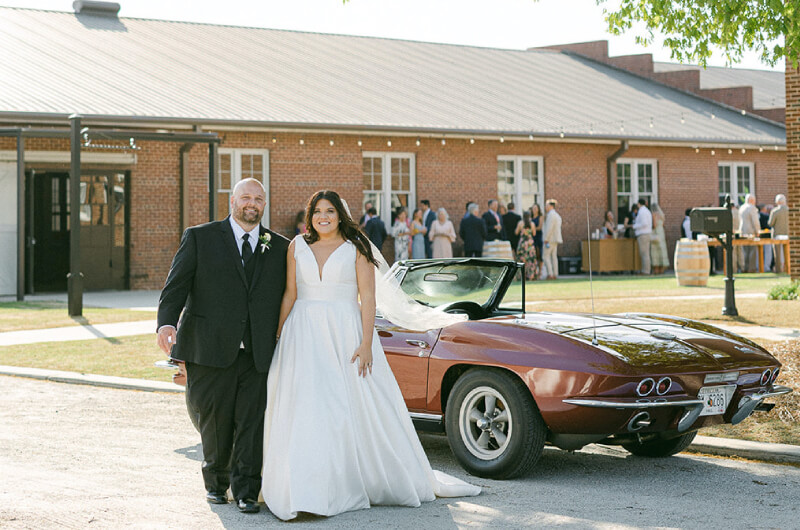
(505, 382)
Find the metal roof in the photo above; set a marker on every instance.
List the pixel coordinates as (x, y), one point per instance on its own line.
(769, 87)
(58, 63)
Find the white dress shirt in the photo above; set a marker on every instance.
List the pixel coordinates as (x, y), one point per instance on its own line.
(644, 222)
(238, 232)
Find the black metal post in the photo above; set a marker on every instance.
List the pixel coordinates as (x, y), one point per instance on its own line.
(75, 277)
(212, 181)
(730, 298)
(20, 217)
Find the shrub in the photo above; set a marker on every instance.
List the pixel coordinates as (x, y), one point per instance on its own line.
(784, 292)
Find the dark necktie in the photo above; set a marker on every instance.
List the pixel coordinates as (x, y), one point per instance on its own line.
(247, 258)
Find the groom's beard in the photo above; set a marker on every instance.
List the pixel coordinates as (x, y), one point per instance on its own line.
(247, 215)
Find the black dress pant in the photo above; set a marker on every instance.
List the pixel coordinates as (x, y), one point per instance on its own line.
(230, 403)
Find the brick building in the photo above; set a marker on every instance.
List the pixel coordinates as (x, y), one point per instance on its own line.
(393, 121)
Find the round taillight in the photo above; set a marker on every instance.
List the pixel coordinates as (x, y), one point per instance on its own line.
(645, 386)
(766, 376)
(775, 374)
(663, 386)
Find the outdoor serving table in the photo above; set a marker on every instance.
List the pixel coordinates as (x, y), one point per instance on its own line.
(760, 243)
(610, 255)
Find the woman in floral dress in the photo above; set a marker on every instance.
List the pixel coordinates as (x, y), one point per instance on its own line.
(526, 248)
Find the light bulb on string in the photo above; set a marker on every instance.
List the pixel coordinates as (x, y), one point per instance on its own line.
(331, 142)
(502, 139)
(444, 142)
(360, 143)
(683, 119)
(302, 141)
(388, 143)
(730, 151)
(530, 137)
(760, 149)
(418, 142)
(651, 123)
(472, 141)
(713, 152)
(274, 139)
(743, 150)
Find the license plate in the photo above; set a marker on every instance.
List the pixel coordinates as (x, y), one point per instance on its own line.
(715, 398)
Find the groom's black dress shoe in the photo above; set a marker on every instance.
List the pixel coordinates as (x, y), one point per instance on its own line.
(248, 506)
(215, 497)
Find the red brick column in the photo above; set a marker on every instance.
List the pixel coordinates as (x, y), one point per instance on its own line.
(793, 162)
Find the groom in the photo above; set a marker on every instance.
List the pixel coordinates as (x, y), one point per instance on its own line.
(228, 279)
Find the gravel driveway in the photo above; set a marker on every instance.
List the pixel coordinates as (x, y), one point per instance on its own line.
(76, 456)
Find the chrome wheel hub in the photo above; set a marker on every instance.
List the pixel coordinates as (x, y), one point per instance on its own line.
(485, 423)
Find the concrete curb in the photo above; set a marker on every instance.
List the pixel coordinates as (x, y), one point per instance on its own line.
(765, 452)
(75, 378)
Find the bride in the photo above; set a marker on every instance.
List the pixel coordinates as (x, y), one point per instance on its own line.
(337, 434)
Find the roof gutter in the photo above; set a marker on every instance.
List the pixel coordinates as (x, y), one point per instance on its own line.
(162, 122)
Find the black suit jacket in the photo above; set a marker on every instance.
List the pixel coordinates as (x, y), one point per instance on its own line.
(510, 222)
(428, 222)
(376, 231)
(492, 232)
(473, 232)
(207, 283)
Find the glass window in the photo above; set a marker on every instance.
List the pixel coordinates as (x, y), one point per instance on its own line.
(238, 164)
(738, 187)
(520, 180)
(636, 179)
(388, 181)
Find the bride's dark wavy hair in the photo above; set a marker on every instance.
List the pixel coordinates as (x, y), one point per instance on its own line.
(347, 227)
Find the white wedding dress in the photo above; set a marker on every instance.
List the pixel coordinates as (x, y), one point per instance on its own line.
(334, 441)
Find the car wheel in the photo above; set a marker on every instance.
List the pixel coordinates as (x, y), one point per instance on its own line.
(193, 415)
(660, 447)
(493, 425)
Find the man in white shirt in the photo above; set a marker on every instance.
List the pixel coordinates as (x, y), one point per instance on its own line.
(749, 226)
(643, 230)
(551, 239)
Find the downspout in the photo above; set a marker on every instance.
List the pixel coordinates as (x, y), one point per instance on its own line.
(184, 184)
(611, 181)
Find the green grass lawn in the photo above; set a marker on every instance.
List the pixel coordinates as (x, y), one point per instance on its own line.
(15, 316)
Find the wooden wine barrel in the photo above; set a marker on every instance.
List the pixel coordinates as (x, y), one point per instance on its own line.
(691, 262)
(497, 249)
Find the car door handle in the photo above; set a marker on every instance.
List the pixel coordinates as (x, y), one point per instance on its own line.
(420, 343)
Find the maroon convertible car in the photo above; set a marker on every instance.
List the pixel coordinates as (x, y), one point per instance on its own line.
(505, 382)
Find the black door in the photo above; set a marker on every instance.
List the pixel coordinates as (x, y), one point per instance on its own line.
(104, 234)
(50, 231)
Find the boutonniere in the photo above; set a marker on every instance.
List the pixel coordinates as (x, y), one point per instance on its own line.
(265, 239)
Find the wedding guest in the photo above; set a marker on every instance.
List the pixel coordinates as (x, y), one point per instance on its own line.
(473, 232)
(510, 221)
(538, 222)
(686, 226)
(659, 258)
(609, 226)
(643, 230)
(366, 217)
(779, 222)
(375, 228)
(749, 227)
(427, 219)
(738, 256)
(494, 224)
(442, 235)
(401, 234)
(466, 209)
(526, 249)
(629, 220)
(552, 238)
(300, 223)
(418, 232)
(763, 225)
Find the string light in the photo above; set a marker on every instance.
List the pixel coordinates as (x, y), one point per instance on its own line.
(530, 137)
(760, 149)
(651, 122)
(621, 126)
(683, 118)
(331, 142)
(274, 140)
(471, 141)
(444, 142)
(744, 112)
(776, 147)
(561, 134)
(360, 143)
(713, 152)
(730, 151)
(302, 142)
(389, 143)
(743, 150)
(502, 139)
(418, 142)
(696, 149)
(713, 116)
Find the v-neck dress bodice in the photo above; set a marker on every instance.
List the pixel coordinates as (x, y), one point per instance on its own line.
(334, 441)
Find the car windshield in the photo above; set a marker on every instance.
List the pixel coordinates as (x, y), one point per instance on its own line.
(439, 284)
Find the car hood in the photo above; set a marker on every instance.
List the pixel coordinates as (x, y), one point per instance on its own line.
(647, 340)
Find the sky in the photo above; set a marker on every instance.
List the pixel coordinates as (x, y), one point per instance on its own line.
(512, 24)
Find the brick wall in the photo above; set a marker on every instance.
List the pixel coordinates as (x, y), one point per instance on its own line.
(793, 162)
(447, 175)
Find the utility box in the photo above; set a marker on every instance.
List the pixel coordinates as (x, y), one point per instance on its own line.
(711, 221)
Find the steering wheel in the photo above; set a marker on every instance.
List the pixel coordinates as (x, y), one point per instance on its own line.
(473, 310)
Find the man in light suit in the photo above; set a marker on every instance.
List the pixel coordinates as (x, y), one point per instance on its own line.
(749, 227)
(551, 239)
(227, 279)
(779, 222)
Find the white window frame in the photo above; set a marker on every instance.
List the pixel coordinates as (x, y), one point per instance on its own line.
(385, 209)
(236, 174)
(518, 160)
(635, 163)
(735, 180)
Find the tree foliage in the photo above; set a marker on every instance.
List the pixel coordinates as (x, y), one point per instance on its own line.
(693, 29)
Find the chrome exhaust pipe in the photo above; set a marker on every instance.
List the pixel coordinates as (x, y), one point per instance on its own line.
(639, 422)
